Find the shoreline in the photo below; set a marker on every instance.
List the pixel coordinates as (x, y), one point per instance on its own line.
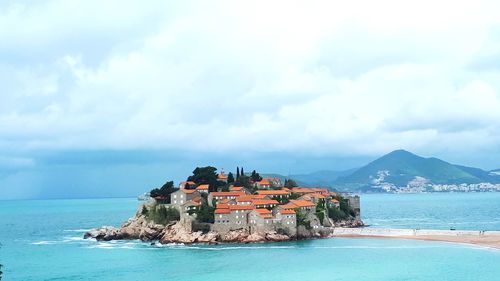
(489, 239)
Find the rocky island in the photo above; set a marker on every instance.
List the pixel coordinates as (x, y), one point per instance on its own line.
(211, 207)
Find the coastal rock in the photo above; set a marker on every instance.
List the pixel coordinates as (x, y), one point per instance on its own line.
(254, 238)
(210, 237)
(276, 237)
(235, 236)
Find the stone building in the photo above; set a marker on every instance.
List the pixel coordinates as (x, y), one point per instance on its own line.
(182, 196)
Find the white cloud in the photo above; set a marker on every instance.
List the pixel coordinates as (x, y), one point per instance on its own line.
(321, 77)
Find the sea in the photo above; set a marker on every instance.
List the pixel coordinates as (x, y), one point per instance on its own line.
(43, 240)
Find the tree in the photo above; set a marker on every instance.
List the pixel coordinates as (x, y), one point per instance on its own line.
(163, 215)
(255, 176)
(243, 181)
(206, 175)
(289, 183)
(230, 178)
(164, 191)
(237, 173)
(242, 173)
(205, 212)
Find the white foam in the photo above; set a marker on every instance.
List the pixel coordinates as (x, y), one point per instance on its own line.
(44, 243)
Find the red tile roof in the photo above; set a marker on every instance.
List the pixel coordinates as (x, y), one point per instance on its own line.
(188, 182)
(263, 182)
(302, 203)
(316, 195)
(236, 188)
(303, 190)
(202, 187)
(222, 211)
(222, 206)
(188, 191)
(258, 202)
(273, 192)
(227, 193)
(240, 207)
(287, 212)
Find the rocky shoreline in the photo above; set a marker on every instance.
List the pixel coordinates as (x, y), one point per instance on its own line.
(138, 227)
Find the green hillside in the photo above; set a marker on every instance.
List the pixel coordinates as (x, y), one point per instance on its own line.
(400, 166)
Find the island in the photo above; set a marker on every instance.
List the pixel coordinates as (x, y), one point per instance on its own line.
(214, 207)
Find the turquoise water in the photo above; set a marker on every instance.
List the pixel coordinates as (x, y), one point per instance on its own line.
(469, 211)
(42, 241)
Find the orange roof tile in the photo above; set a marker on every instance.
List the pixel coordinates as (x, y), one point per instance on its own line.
(222, 211)
(264, 213)
(302, 190)
(236, 188)
(222, 206)
(227, 193)
(193, 202)
(335, 201)
(240, 207)
(264, 202)
(316, 195)
(287, 212)
(188, 191)
(302, 203)
(272, 192)
(288, 206)
(202, 187)
(245, 198)
(263, 182)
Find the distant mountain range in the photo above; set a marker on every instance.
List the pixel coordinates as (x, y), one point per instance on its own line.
(399, 169)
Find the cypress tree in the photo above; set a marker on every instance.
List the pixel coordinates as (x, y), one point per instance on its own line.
(237, 173)
(242, 173)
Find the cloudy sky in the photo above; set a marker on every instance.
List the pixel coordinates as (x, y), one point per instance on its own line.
(111, 98)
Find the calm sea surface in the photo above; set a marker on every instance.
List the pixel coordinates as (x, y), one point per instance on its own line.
(42, 240)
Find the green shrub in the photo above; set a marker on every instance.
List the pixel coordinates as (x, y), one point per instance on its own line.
(336, 214)
(144, 210)
(163, 215)
(301, 220)
(321, 216)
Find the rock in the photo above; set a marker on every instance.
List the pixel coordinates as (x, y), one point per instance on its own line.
(276, 237)
(235, 236)
(254, 238)
(210, 237)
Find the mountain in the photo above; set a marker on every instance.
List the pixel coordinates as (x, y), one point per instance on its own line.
(401, 168)
(325, 178)
(320, 178)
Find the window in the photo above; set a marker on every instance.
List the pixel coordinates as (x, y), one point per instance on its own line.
(220, 216)
(182, 201)
(175, 201)
(175, 195)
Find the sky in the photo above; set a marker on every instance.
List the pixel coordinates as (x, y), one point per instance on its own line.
(103, 99)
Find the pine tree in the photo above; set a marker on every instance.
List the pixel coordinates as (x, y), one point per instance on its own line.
(230, 178)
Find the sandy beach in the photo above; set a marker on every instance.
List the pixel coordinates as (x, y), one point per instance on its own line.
(481, 238)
